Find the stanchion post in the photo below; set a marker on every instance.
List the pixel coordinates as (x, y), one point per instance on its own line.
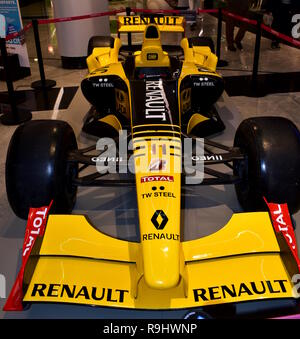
(221, 63)
(15, 116)
(43, 83)
(257, 48)
(219, 37)
(257, 88)
(128, 12)
(7, 74)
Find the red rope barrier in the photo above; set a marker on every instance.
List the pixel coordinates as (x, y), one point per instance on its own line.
(207, 10)
(156, 11)
(171, 11)
(135, 10)
(281, 36)
(240, 18)
(268, 29)
(290, 40)
(79, 17)
(17, 34)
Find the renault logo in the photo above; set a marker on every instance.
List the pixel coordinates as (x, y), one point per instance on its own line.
(159, 219)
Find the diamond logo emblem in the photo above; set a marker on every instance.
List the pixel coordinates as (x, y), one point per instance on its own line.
(159, 219)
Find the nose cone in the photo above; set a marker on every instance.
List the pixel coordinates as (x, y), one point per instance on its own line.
(159, 225)
(158, 184)
(161, 264)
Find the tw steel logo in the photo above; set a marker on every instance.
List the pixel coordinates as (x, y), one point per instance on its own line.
(159, 219)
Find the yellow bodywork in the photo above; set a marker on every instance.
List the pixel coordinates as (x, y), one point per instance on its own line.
(197, 58)
(104, 61)
(195, 120)
(104, 57)
(152, 47)
(113, 121)
(160, 256)
(78, 264)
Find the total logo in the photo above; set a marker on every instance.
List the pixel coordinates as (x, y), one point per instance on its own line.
(151, 178)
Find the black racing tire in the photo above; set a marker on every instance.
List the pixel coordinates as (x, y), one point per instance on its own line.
(272, 168)
(100, 41)
(202, 41)
(37, 170)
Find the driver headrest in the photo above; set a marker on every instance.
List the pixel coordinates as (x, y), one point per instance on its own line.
(152, 32)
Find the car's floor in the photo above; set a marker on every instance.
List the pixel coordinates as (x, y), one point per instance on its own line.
(114, 211)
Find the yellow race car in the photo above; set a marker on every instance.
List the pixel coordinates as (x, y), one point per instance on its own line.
(188, 69)
(161, 95)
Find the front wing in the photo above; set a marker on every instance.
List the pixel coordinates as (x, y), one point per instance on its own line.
(73, 262)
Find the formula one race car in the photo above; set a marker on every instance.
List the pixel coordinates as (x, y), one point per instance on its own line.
(189, 70)
(163, 95)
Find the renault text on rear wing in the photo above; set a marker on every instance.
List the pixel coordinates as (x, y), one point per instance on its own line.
(137, 24)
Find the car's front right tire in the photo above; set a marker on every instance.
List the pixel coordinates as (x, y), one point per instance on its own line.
(272, 165)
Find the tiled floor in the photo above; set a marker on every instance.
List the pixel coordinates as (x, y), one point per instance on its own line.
(114, 210)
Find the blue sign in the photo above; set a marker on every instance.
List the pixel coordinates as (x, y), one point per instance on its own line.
(2, 26)
(10, 9)
(12, 23)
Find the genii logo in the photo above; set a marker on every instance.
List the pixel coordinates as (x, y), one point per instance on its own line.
(296, 28)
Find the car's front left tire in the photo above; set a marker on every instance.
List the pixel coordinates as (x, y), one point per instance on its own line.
(37, 170)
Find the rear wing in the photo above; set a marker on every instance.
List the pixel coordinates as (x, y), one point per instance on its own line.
(137, 24)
